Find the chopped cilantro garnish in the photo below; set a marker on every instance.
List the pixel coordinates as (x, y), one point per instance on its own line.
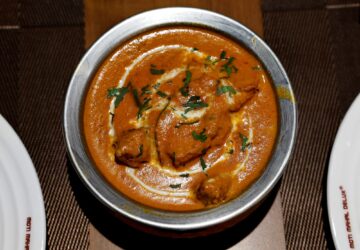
(156, 86)
(202, 163)
(140, 151)
(143, 107)
(230, 60)
(209, 61)
(155, 71)
(136, 97)
(199, 137)
(245, 142)
(228, 67)
(175, 185)
(231, 151)
(223, 54)
(185, 89)
(161, 94)
(145, 90)
(225, 89)
(194, 49)
(194, 102)
(113, 92)
(186, 175)
(119, 93)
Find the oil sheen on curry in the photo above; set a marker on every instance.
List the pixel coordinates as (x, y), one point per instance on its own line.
(180, 119)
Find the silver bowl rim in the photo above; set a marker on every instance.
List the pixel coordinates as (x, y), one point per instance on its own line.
(180, 221)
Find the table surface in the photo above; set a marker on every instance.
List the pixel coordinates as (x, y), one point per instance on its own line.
(42, 41)
(265, 230)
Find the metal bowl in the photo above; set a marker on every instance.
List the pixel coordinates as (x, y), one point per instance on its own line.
(177, 220)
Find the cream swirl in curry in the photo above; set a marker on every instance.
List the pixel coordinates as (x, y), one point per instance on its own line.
(180, 119)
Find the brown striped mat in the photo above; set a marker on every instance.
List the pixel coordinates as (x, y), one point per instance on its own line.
(41, 43)
(320, 49)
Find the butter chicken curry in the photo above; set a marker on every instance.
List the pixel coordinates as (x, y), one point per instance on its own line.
(180, 118)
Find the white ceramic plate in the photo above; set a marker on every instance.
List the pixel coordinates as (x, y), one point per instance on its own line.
(343, 183)
(22, 214)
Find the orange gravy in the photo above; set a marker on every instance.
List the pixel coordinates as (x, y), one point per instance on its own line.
(180, 119)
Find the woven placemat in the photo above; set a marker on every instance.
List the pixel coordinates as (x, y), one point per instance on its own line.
(40, 46)
(47, 58)
(8, 75)
(50, 13)
(319, 52)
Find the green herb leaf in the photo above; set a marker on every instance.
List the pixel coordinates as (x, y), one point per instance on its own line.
(143, 107)
(155, 71)
(161, 94)
(119, 93)
(231, 151)
(194, 49)
(228, 70)
(140, 151)
(228, 67)
(202, 163)
(145, 90)
(112, 92)
(118, 99)
(223, 54)
(136, 97)
(230, 61)
(156, 86)
(245, 142)
(225, 89)
(209, 61)
(186, 175)
(194, 102)
(175, 185)
(185, 89)
(199, 137)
